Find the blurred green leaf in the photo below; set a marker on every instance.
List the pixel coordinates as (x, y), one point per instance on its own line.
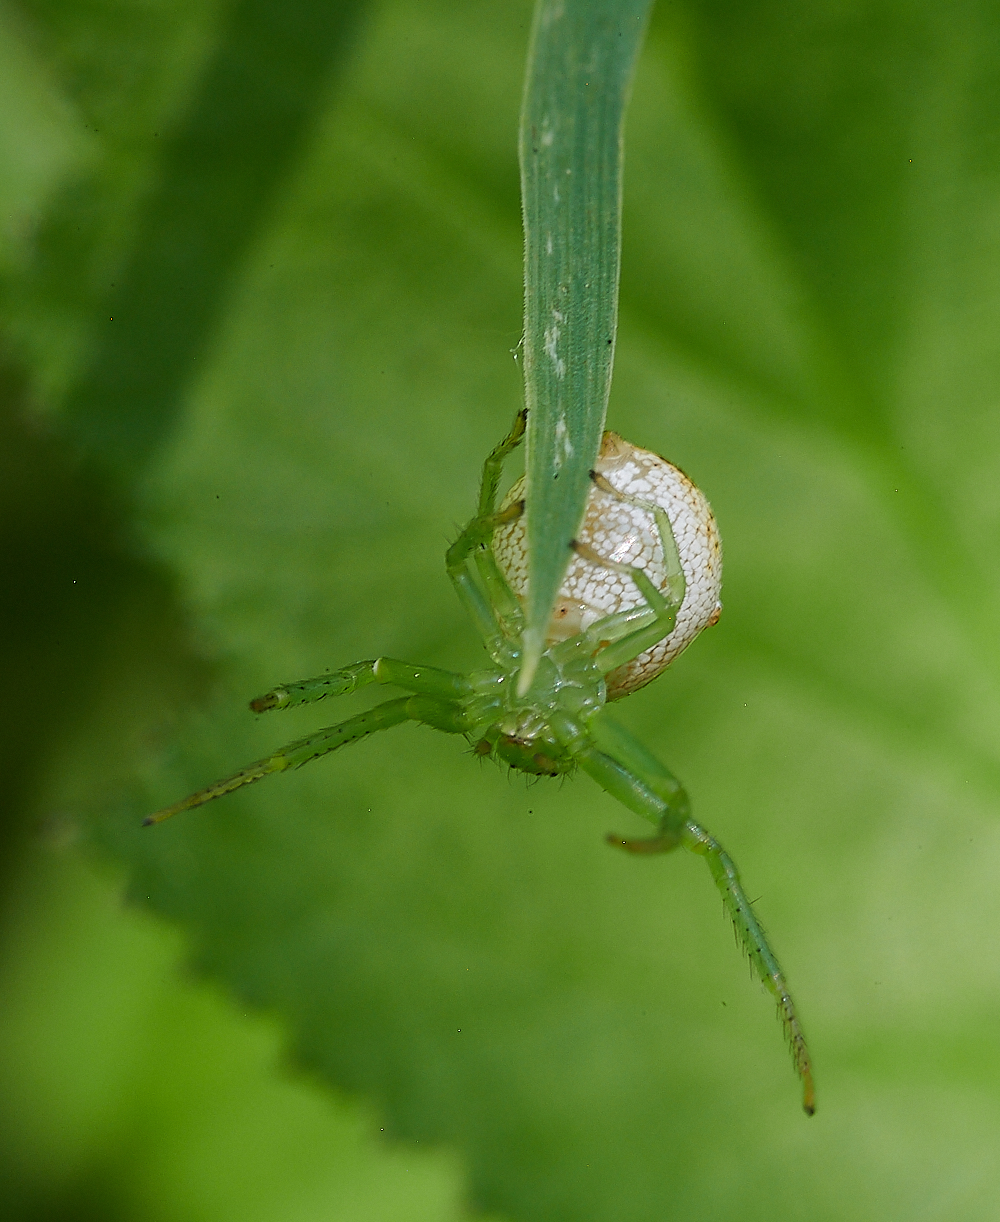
(130, 1092)
(810, 305)
(38, 142)
(214, 174)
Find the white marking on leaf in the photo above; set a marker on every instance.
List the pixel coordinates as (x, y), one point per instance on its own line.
(563, 447)
(552, 349)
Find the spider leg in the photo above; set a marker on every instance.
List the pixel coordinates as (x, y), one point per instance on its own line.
(673, 569)
(619, 637)
(502, 598)
(624, 636)
(440, 714)
(750, 934)
(623, 767)
(499, 615)
(489, 485)
(425, 680)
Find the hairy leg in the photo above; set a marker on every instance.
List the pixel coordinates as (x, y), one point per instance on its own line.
(623, 767)
(751, 936)
(426, 680)
(489, 485)
(626, 770)
(441, 714)
(496, 613)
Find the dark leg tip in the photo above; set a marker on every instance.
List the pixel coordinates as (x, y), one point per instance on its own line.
(270, 700)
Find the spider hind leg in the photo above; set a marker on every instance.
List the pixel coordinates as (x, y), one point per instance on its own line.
(624, 768)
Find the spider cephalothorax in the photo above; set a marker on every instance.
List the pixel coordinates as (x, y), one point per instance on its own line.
(643, 582)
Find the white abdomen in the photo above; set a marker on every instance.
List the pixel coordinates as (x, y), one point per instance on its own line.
(627, 534)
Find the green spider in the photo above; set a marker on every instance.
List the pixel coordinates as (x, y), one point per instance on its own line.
(643, 582)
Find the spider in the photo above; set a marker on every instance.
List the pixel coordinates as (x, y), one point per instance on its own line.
(643, 582)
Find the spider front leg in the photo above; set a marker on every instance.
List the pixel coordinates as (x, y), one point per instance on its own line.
(427, 680)
(436, 701)
(623, 767)
(497, 614)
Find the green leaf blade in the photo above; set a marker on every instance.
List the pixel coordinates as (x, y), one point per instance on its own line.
(580, 68)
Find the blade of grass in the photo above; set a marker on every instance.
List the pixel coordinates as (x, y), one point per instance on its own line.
(579, 73)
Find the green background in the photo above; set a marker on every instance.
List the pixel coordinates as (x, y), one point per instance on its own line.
(260, 282)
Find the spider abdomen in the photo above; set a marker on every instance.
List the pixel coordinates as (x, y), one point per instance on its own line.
(625, 533)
